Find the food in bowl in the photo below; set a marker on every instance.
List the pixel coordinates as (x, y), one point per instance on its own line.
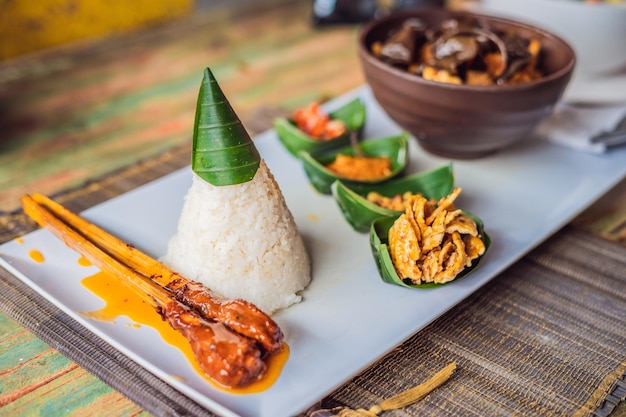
(461, 51)
(595, 29)
(458, 120)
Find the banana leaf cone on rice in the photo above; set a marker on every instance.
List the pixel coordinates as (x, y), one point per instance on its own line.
(235, 233)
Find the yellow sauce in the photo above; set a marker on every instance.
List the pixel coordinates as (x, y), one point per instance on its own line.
(121, 300)
(36, 256)
(82, 261)
(19, 240)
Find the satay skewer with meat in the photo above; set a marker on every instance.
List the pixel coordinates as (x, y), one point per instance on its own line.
(228, 357)
(240, 315)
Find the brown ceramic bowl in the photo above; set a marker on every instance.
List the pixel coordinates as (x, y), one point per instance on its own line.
(464, 121)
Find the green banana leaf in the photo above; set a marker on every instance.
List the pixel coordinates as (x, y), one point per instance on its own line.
(379, 231)
(360, 213)
(393, 147)
(223, 152)
(295, 140)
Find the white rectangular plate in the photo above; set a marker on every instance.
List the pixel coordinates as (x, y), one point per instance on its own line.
(349, 317)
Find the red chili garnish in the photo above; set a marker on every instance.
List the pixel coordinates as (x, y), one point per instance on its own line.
(313, 122)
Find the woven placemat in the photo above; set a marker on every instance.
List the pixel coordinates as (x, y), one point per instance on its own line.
(545, 337)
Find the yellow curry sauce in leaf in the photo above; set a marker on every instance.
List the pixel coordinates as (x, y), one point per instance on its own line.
(222, 152)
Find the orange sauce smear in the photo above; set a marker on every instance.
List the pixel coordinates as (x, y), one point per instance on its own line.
(121, 300)
(83, 261)
(36, 256)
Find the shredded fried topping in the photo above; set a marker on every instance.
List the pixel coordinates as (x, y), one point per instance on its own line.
(433, 241)
(397, 202)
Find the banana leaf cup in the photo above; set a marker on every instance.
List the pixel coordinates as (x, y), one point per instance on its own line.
(295, 140)
(379, 231)
(393, 147)
(360, 213)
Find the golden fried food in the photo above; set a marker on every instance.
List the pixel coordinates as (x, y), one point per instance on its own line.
(397, 202)
(433, 241)
(404, 247)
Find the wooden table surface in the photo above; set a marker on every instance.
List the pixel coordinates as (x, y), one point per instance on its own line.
(74, 114)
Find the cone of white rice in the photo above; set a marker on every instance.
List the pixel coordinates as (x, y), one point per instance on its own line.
(236, 234)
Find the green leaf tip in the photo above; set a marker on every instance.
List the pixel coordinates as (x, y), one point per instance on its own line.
(222, 152)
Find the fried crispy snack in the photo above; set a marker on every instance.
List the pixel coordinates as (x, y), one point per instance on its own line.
(397, 202)
(433, 241)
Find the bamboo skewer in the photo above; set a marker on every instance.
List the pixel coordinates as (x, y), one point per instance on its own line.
(227, 356)
(131, 263)
(145, 288)
(114, 246)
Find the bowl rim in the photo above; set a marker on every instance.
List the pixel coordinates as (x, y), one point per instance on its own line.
(365, 54)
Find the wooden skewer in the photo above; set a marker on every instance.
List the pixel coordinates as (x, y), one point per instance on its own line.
(145, 288)
(115, 247)
(228, 357)
(133, 264)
